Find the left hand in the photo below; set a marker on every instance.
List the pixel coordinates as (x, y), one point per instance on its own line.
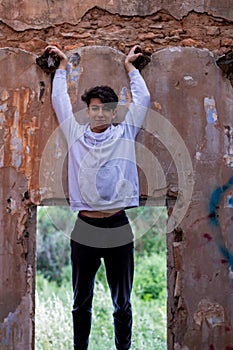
(131, 57)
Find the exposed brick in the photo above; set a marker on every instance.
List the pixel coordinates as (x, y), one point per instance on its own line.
(146, 36)
(191, 42)
(213, 31)
(33, 45)
(227, 42)
(99, 27)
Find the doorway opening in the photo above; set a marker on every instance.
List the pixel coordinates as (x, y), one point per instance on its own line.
(53, 316)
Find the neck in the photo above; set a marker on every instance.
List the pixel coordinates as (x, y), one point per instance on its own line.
(99, 129)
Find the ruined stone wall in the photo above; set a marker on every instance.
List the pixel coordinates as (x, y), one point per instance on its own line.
(96, 26)
(184, 150)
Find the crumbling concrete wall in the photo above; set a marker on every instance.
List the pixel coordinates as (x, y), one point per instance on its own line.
(184, 151)
(188, 89)
(23, 129)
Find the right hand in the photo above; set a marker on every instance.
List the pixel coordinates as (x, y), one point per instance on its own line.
(63, 57)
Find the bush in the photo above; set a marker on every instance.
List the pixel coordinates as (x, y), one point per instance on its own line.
(150, 277)
(54, 225)
(149, 226)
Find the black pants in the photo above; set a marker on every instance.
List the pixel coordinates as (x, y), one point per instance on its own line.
(119, 265)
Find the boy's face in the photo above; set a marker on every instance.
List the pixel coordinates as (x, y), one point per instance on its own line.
(100, 115)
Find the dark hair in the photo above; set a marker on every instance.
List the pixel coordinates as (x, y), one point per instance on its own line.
(104, 93)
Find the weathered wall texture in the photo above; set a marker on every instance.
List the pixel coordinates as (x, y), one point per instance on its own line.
(185, 151)
(189, 90)
(156, 29)
(17, 261)
(34, 14)
(22, 119)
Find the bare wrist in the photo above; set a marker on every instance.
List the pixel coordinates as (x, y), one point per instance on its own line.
(63, 63)
(129, 66)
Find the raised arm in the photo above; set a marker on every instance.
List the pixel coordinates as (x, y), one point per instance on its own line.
(140, 94)
(61, 99)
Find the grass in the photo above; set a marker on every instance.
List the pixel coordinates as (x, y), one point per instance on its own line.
(54, 321)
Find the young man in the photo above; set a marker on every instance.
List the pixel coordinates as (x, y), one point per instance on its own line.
(103, 181)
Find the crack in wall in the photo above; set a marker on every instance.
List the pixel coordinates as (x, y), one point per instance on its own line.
(48, 11)
(99, 27)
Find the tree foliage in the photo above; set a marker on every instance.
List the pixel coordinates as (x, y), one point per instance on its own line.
(54, 225)
(149, 226)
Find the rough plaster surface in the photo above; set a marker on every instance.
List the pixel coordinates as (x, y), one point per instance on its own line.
(33, 14)
(17, 261)
(180, 80)
(25, 114)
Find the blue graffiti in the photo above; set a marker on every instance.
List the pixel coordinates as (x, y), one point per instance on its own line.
(215, 200)
(123, 96)
(73, 73)
(211, 112)
(213, 216)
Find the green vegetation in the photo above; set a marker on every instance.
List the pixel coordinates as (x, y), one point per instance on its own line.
(54, 294)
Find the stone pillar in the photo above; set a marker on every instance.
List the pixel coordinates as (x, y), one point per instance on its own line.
(188, 89)
(17, 261)
(23, 114)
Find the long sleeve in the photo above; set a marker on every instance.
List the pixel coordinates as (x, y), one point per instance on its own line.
(62, 106)
(60, 98)
(140, 101)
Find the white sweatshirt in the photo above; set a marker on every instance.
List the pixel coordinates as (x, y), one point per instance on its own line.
(102, 171)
